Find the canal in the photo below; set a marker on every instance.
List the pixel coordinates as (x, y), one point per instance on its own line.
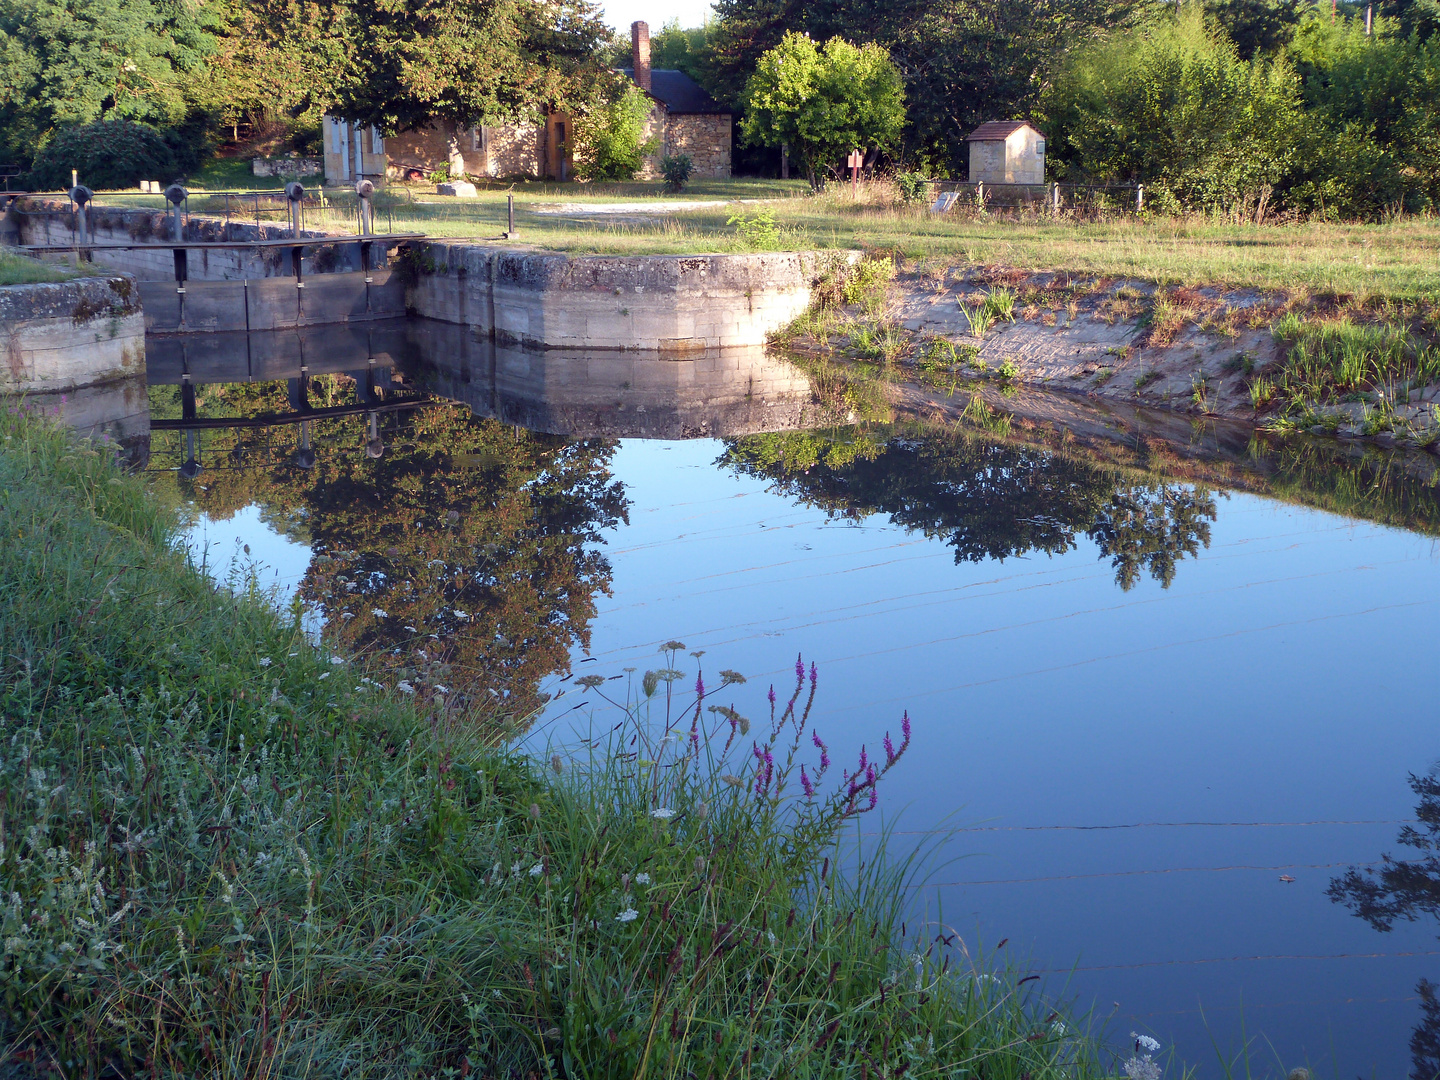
(1172, 706)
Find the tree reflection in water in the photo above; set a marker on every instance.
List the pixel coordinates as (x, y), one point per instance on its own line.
(1408, 891)
(986, 499)
(463, 557)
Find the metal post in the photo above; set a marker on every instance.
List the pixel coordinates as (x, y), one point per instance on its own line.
(980, 195)
(295, 193)
(364, 196)
(81, 195)
(1055, 199)
(510, 210)
(175, 195)
(1139, 197)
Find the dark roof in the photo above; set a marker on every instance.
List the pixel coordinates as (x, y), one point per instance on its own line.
(1000, 129)
(678, 92)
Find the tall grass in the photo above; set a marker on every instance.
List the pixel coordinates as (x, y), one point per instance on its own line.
(227, 853)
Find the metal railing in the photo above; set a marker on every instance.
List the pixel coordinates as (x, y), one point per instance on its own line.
(1053, 197)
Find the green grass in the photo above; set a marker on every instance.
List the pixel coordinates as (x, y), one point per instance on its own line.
(1394, 260)
(22, 270)
(227, 855)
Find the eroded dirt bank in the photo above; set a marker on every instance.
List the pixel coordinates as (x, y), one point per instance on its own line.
(1285, 362)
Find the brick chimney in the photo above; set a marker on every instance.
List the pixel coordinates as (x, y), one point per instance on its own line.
(640, 51)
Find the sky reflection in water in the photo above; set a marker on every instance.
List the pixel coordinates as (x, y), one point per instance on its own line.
(1285, 681)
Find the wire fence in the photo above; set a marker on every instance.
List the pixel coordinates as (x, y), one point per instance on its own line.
(1054, 198)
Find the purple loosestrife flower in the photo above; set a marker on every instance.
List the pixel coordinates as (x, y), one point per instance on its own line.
(889, 751)
(772, 694)
(699, 686)
(864, 761)
(824, 751)
(806, 784)
(812, 673)
(799, 669)
(874, 798)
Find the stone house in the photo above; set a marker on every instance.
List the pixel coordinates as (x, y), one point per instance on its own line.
(1007, 152)
(684, 120)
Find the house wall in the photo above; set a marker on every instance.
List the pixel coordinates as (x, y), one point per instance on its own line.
(352, 153)
(1024, 157)
(706, 138)
(655, 125)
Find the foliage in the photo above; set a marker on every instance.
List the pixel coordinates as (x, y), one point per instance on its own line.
(991, 500)
(675, 170)
(107, 154)
(60, 66)
(1172, 104)
(1372, 136)
(330, 881)
(757, 230)
(1257, 27)
(465, 62)
(913, 186)
(610, 141)
(823, 101)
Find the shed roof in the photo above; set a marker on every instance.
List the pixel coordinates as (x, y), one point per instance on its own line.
(678, 92)
(994, 130)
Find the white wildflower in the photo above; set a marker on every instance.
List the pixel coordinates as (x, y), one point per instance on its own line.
(1138, 1068)
(628, 915)
(404, 687)
(347, 615)
(441, 689)
(265, 661)
(642, 879)
(1144, 1042)
(537, 869)
(461, 614)
(412, 629)
(324, 675)
(337, 659)
(380, 613)
(662, 812)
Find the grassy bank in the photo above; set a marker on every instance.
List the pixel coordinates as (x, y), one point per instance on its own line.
(227, 853)
(1394, 260)
(20, 270)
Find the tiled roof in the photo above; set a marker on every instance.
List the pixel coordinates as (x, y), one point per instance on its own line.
(999, 129)
(679, 92)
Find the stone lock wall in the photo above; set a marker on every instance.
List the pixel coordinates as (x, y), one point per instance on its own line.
(57, 336)
(661, 303)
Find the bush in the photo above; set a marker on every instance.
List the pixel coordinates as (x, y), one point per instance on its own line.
(107, 154)
(610, 141)
(759, 232)
(676, 169)
(912, 185)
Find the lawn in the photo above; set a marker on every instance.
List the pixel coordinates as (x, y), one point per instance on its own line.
(22, 270)
(1394, 260)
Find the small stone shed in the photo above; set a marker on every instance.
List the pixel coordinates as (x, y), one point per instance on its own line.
(1007, 152)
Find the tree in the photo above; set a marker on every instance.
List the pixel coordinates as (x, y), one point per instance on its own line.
(610, 141)
(1173, 105)
(824, 101)
(465, 62)
(1256, 26)
(71, 62)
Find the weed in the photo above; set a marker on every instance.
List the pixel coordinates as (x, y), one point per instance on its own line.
(1146, 379)
(1008, 371)
(757, 231)
(980, 319)
(1200, 391)
(1262, 392)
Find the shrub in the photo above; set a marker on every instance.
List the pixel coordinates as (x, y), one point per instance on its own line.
(676, 169)
(106, 154)
(610, 141)
(759, 232)
(912, 185)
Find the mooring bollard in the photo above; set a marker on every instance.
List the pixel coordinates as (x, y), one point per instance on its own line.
(510, 209)
(1055, 199)
(1139, 197)
(81, 195)
(364, 196)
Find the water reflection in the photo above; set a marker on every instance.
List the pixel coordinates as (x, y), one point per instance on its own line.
(1408, 891)
(987, 499)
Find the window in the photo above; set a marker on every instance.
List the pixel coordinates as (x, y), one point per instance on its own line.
(1040, 148)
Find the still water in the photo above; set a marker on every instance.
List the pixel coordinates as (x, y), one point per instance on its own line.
(1161, 719)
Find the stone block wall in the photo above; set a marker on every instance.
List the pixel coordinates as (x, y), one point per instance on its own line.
(507, 150)
(663, 303)
(286, 166)
(706, 138)
(57, 336)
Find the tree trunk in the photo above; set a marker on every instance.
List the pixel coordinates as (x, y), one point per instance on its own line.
(784, 161)
(452, 150)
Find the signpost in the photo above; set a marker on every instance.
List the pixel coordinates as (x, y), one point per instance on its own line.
(856, 159)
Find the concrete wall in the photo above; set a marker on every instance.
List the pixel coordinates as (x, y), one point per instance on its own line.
(58, 336)
(665, 303)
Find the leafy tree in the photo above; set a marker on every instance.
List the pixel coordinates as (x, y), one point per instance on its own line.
(1173, 105)
(1256, 26)
(610, 142)
(824, 101)
(71, 62)
(1372, 137)
(106, 154)
(465, 62)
